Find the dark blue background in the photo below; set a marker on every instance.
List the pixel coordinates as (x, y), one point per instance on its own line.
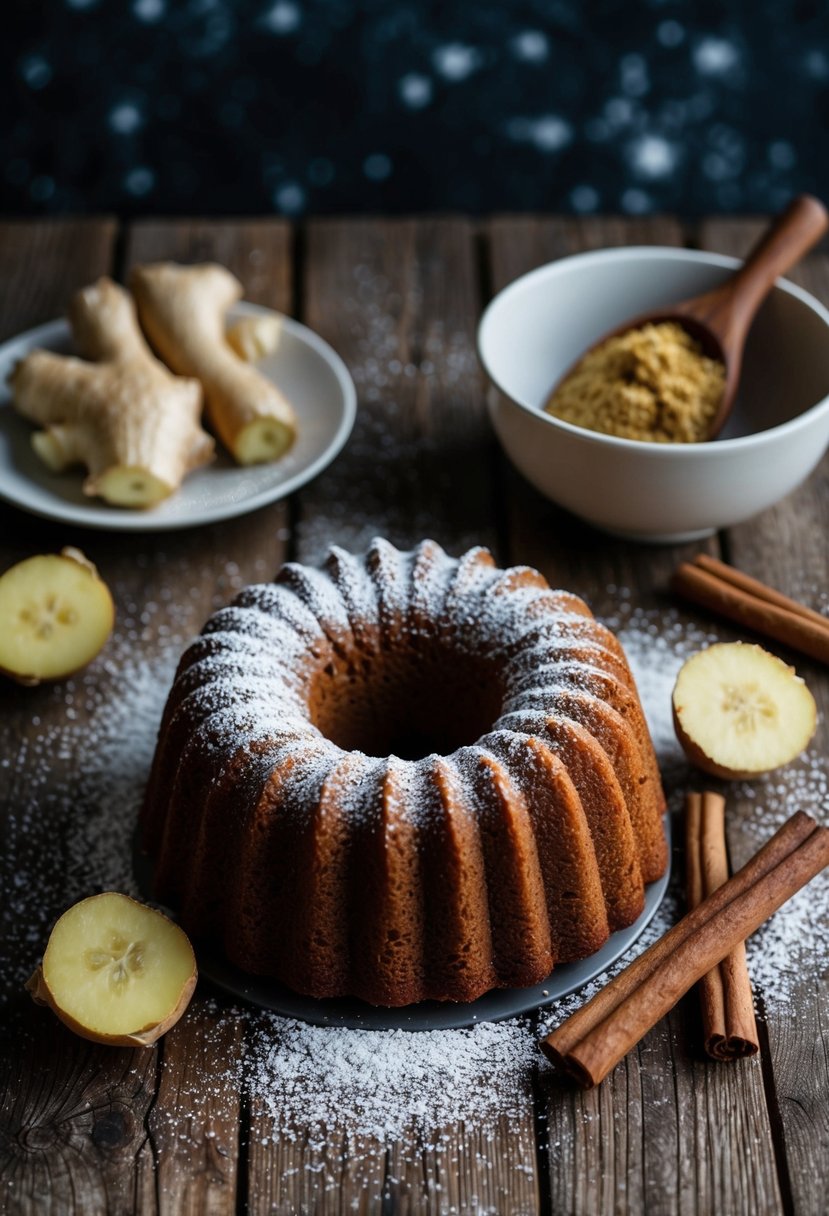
(295, 106)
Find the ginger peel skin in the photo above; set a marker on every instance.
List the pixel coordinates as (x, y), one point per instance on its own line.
(117, 410)
(182, 310)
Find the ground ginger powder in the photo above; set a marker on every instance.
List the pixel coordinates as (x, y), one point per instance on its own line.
(651, 383)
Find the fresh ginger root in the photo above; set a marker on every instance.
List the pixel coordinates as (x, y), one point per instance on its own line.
(182, 310)
(255, 336)
(123, 414)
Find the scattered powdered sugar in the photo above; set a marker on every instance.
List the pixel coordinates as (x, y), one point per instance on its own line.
(401, 476)
(657, 643)
(388, 1085)
(790, 950)
(391, 1086)
(89, 779)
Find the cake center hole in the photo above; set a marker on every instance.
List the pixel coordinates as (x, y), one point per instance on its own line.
(410, 702)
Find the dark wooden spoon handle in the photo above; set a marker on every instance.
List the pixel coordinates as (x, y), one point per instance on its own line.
(794, 232)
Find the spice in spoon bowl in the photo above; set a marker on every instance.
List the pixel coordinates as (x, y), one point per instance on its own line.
(650, 383)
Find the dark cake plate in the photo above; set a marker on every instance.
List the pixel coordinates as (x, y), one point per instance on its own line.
(429, 1015)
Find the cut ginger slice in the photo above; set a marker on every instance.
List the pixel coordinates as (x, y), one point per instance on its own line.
(56, 613)
(116, 971)
(740, 711)
(255, 336)
(182, 310)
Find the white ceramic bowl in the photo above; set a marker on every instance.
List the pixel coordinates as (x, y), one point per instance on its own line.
(537, 327)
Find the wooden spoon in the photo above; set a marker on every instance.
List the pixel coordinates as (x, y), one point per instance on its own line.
(720, 319)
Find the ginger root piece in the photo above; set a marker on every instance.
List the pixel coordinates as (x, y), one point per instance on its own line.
(255, 336)
(116, 971)
(56, 613)
(134, 425)
(740, 711)
(182, 310)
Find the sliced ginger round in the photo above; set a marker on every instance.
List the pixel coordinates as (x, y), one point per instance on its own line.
(116, 971)
(263, 440)
(124, 486)
(56, 613)
(740, 711)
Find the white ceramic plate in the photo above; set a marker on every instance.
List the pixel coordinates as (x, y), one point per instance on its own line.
(429, 1015)
(312, 376)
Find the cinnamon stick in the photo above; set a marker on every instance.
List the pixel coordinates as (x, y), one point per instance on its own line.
(726, 1001)
(796, 629)
(793, 832)
(753, 586)
(595, 1039)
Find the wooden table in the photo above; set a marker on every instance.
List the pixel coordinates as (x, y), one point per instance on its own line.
(92, 1130)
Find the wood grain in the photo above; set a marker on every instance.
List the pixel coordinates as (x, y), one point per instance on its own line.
(43, 261)
(644, 1134)
(189, 1163)
(399, 301)
(71, 1114)
(196, 1130)
(786, 548)
(85, 1129)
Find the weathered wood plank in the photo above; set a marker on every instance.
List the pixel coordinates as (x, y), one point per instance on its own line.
(518, 243)
(179, 1149)
(259, 252)
(786, 547)
(399, 301)
(71, 1115)
(192, 1157)
(191, 1161)
(642, 1140)
(72, 1119)
(43, 261)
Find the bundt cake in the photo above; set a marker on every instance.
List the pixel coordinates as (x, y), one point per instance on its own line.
(404, 776)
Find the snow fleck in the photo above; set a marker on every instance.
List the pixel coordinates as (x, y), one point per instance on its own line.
(284, 17)
(782, 155)
(139, 181)
(816, 63)
(377, 167)
(636, 202)
(531, 46)
(634, 73)
(653, 156)
(289, 198)
(415, 90)
(125, 118)
(670, 33)
(548, 133)
(584, 199)
(36, 71)
(149, 10)
(455, 61)
(715, 56)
